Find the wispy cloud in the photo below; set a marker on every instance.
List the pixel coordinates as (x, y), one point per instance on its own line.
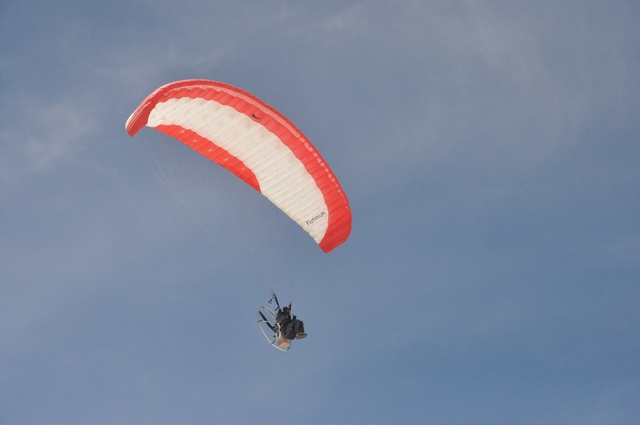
(43, 136)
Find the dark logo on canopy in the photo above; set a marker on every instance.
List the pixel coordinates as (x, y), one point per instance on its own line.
(315, 218)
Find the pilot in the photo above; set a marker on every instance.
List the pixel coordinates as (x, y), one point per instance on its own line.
(290, 328)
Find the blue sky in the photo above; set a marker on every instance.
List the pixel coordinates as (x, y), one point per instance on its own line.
(490, 152)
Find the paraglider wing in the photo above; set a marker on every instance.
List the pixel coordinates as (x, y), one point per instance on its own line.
(258, 144)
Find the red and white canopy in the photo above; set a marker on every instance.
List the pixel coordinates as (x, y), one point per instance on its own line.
(258, 144)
